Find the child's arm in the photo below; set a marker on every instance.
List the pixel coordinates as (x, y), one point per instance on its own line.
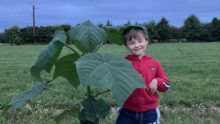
(162, 82)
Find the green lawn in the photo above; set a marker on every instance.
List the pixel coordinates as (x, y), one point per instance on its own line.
(193, 69)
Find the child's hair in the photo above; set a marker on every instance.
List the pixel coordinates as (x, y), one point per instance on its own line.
(132, 32)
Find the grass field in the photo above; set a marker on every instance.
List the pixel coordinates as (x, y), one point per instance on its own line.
(192, 68)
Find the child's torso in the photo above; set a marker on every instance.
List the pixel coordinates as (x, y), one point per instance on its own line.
(142, 99)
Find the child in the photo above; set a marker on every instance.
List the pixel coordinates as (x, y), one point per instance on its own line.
(142, 105)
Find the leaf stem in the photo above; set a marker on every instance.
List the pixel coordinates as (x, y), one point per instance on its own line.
(75, 51)
(98, 46)
(89, 91)
(101, 93)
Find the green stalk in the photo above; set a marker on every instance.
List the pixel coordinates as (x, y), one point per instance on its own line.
(89, 91)
(101, 93)
(74, 50)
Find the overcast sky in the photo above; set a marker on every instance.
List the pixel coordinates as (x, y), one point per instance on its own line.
(56, 12)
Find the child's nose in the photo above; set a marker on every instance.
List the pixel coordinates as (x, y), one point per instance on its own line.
(136, 44)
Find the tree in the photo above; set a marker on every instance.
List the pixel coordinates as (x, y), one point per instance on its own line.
(175, 34)
(136, 23)
(191, 28)
(27, 35)
(2, 38)
(205, 32)
(13, 35)
(100, 25)
(66, 27)
(108, 23)
(128, 23)
(215, 29)
(163, 30)
(152, 30)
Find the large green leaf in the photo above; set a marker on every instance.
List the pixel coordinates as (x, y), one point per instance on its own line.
(76, 44)
(27, 95)
(48, 56)
(89, 35)
(94, 110)
(66, 67)
(108, 71)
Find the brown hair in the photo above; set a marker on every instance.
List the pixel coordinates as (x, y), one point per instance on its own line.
(132, 32)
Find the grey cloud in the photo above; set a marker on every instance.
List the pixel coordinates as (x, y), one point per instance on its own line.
(51, 12)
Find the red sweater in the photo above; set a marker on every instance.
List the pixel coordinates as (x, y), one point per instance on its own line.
(142, 99)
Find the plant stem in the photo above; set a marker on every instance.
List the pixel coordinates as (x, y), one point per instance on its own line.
(89, 91)
(97, 47)
(75, 51)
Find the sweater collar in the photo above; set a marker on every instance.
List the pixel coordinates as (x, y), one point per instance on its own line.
(134, 57)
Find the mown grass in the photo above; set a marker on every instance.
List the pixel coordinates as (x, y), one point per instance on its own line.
(193, 69)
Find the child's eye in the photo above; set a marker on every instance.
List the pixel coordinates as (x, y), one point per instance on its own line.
(140, 41)
(130, 43)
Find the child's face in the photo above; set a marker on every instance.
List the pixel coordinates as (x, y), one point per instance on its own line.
(137, 45)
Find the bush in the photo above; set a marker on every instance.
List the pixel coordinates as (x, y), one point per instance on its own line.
(13, 35)
(2, 38)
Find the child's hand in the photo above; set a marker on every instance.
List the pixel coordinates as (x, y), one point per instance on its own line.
(153, 86)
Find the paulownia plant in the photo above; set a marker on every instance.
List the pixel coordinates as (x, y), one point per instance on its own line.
(84, 66)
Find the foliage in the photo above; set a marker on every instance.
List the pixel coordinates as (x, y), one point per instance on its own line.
(42, 34)
(152, 31)
(2, 38)
(110, 72)
(89, 36)
(128, 23)
(83, 67)
(175, 34)
(215, 29)
(27, 95)
(114, 35)
(93, 110)
(13, 35)
(67, 69)
(48, 56)
(163, 29)
(191, 28)
(108, 23)
(205, 34)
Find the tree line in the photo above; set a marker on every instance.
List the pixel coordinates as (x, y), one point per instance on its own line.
(193, 30)
(18, 36)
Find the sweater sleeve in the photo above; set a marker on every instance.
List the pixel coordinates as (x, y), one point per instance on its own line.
(163, 83)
